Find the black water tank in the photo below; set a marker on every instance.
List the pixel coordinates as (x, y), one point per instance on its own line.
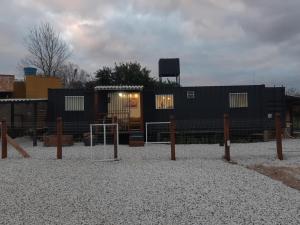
(169, 67)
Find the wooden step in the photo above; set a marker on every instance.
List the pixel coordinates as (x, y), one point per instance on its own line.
(136, 143)
(136, 138)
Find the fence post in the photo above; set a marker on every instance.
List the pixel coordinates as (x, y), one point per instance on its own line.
(278, 136)
(172, 137)
(4, 139)
(34, 136)
(226, 137)
(115, 138)
(59, 137)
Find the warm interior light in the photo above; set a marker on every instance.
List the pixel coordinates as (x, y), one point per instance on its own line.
(136, 95)
(169, 98)
(120, 95)
(130, 95)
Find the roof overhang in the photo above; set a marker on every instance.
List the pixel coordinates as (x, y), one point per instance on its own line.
(9, 100)
(120, 88)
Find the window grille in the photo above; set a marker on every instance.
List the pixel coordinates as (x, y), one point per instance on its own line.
(164, 101)
(238, 100)
(74, 103)
(190, 94)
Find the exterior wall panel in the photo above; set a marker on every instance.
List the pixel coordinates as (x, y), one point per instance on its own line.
(37, 86)
(7, 83)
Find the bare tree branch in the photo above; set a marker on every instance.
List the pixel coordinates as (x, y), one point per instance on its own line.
(73, 76)
(47, 50)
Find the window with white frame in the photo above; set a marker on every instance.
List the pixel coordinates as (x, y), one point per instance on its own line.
(164, 101)
(74, 103)
(238, 100)
(190, 94)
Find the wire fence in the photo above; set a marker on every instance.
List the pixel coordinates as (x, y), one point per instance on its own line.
(157, 132)
(200, 131)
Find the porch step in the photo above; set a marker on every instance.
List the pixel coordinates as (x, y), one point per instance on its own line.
(136, 143)
(136, 138)
(135, 124)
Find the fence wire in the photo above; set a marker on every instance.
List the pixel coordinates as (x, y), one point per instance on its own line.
(205, 131)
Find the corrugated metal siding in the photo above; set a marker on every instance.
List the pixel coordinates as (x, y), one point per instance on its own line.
(74, 121)
(209, 103)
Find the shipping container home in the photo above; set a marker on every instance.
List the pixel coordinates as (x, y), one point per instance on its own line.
(240, 102)
(75, 106)
(250, 106)
(79, 107)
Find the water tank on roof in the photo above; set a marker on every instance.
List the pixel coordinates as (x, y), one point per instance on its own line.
(169, 67)
(29, 71)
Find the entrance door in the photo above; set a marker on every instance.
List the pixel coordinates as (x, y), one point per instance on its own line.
(126, 106)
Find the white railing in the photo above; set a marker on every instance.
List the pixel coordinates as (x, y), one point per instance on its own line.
(148, 124)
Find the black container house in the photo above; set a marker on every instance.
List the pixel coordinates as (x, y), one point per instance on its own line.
(250, 107)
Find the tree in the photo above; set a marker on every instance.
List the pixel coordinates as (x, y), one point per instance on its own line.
(104, 76)
(127, 74)
(293, 92)
(47, 50)
(73, 76)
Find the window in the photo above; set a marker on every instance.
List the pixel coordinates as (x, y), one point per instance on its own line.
(164, 101)
(238, 100)
(74, 103)
(190, 94)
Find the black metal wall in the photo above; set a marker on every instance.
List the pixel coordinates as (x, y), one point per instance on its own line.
(211, 103)
(75, 122)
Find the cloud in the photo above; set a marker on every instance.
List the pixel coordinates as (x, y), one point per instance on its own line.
(218, 41)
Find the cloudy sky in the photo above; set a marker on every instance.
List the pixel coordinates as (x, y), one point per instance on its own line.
(218, 41)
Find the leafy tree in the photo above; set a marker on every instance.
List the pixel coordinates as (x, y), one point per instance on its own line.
(293, 92)
(127, 74)
(47, 50)
(104, 76)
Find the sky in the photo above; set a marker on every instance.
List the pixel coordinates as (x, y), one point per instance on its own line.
(219, 42)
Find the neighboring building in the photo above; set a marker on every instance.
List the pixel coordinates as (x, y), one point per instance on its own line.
(35, 86)
(19, 89)
(6, 85)
(23, 103)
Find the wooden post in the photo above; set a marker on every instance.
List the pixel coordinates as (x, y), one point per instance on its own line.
(59, 137)
(17, 147)
(12, 118)
(226, 137)
(34, 136)
(4, 139)
(96, 106)
(115, 138)
(142, 111)
(172, 137)
(278, 136)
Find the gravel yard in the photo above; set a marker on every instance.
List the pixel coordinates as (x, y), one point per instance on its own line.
(145, 187)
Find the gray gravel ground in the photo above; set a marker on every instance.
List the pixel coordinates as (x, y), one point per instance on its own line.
(145, 187)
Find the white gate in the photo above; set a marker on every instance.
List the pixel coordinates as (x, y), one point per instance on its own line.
(102, 141)
(158, 132)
